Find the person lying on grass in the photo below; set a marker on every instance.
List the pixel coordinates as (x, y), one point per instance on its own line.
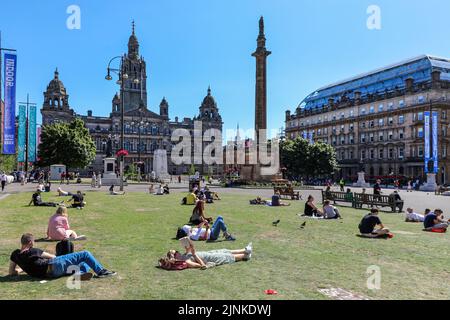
(40, 264)
(198, 214)
(310, 208)
(62, 193)
(435, 220)
(203, 260)
(371, 226)
(77, 200)
(36, 200)
(258, 201)
(412, 216)
(330, 211)
(58, 227)
(204, 232)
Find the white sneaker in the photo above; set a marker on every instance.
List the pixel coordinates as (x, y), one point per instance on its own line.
(248, 250)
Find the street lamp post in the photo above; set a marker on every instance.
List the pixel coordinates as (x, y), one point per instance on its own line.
(122, 77)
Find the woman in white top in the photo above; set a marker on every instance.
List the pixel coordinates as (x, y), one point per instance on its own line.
(412, 216)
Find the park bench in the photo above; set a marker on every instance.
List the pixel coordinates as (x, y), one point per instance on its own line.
(287, 193)
(372, 200)
(337, 197)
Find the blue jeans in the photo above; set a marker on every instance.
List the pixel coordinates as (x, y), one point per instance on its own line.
(218, 226)
(84, 260)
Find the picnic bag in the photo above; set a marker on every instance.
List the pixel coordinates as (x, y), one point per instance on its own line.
(64, 247)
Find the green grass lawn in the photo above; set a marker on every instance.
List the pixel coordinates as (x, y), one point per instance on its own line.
(128, 234)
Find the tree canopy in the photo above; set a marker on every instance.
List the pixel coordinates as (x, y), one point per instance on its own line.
(66, 143)
(302, 159)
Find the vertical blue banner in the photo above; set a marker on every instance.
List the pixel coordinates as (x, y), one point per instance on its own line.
(32, 134)
(435, 142)
(22, 132)
(427, 136)
(9, 116)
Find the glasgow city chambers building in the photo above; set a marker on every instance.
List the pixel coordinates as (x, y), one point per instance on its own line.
(145, 131)
(377, 122)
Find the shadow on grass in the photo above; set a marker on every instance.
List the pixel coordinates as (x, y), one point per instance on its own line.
(20, 278)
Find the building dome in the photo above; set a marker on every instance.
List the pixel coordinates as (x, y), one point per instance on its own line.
(56, 85)
(209, 102)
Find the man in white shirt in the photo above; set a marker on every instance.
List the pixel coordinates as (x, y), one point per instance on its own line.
(3, 179)
(330, 211)
(412, 216)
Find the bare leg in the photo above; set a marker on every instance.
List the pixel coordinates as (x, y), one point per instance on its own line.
(240, 256)
(71, 234)
(239, 251)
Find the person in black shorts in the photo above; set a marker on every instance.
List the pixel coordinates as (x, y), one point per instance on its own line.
(36, 200)
(77, 200)
(371, 225)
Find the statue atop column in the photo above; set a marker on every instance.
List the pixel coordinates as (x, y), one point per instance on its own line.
(109, 152)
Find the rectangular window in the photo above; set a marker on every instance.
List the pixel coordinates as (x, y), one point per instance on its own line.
(351, 154)
(363, 154)
(351, 126)
(420, 151)
(391, 106)
(421, 99)
(401, 153)
(325, 130)
(342, 115)
(343, 139)
(401, 119)
(372, 123)
(380, 154)
(381, 122)
(380, 108)
(444, 151)
(380, 136)
(363, 111)
(319, 132)
(333, 141)
(334, 130)
(420, 116)
(342, 128)
(371, 137)
(363, 124)
(391, 121)
(391, 153)
(351, 139)
(401, 103)
(401, 134)
(363, 138)
(420, 132)
(351, 113)
(444, 114)
(372, 154)
(342, 155)
(390, 135)
(372, 109)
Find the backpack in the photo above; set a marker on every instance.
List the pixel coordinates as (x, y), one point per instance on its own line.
(184, 200)
(64, 247)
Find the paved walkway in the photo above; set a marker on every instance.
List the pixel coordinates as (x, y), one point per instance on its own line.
(418, 200)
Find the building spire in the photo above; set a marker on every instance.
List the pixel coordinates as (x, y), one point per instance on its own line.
(133, 25)
(56, 73)
(209, 90)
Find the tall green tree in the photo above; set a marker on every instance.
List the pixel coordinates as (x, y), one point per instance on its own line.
(66, 143)
(302, 159)
(8, 163)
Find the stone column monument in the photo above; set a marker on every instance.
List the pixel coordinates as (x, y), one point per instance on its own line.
(160, 164)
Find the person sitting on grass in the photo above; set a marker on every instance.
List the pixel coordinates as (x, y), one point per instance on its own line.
(204, 232)
(159, 191)
(191, 198)
(198, 214)
(166, 189)
(58, 227)
(203, 260)
(412, 216)
(77, 200)
(276, 202)
(210, 195)
(372, 227)
(40, 264)
(36, 200)
(114, 193)
(62, 193)
(310, 208)
(435, 220)
(330, 211)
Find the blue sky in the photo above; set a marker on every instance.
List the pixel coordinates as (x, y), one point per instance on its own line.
(190, 44)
